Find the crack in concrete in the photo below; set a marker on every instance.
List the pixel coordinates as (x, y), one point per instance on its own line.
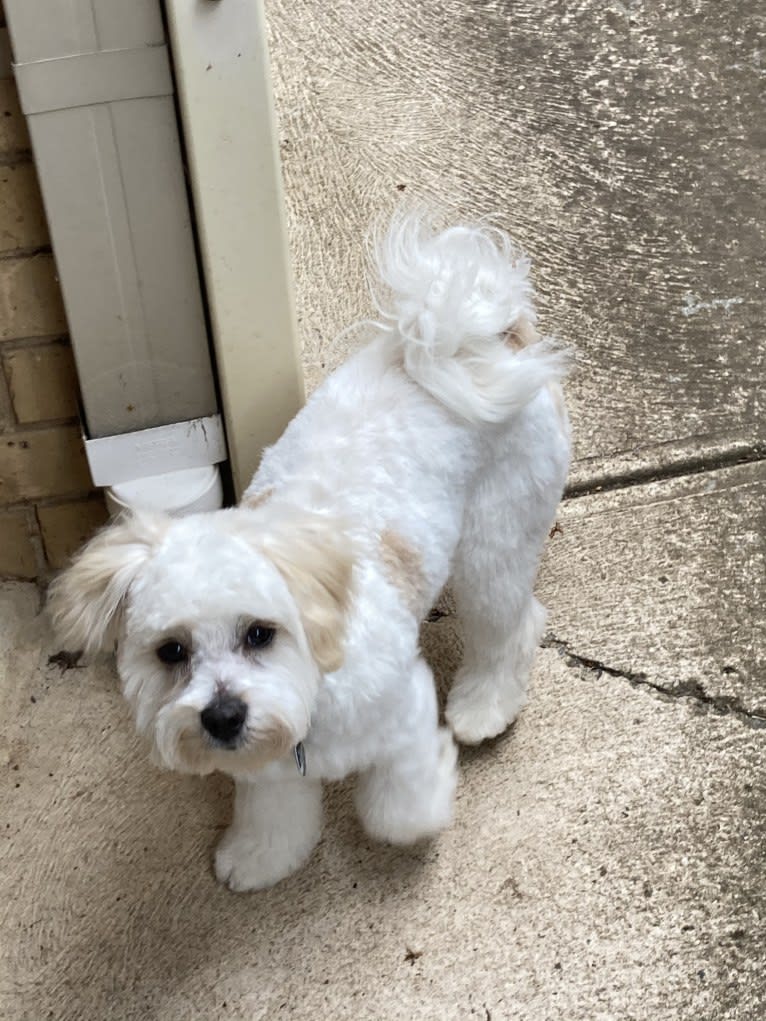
(641, 476)
(722, 705)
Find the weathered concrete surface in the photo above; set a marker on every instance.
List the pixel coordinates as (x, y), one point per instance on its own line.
(619, 141)
(665, 583)
(607, 856)
(607, 860)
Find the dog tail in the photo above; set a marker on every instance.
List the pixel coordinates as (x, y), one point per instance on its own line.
(460, 309)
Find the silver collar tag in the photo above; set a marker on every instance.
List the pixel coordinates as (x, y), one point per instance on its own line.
(300, 758)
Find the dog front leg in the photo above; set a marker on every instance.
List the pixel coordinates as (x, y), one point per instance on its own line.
(276, 826)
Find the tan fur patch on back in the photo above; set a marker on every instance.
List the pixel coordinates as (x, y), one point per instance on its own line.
(257, 499)
(404, 568)
(521, 335)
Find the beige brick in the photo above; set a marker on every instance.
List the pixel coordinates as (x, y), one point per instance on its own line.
(22, 217)
(17, 554)
(42, 382)
(13, 127)
(66, 526)
(30, 299)
(38, 463)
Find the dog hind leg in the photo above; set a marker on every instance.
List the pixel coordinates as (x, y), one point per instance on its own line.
(409, 794)
(505, 527)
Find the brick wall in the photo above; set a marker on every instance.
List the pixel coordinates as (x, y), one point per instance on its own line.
(47, 506)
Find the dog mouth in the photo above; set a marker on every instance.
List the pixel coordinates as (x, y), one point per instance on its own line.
(189, 747)
(218, 744)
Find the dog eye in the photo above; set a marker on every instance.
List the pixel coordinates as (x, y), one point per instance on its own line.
(172, 652)
(259, 636)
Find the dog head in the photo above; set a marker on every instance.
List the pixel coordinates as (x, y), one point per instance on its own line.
(225, 623)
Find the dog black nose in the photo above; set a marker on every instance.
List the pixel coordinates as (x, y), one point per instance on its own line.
(224, 718)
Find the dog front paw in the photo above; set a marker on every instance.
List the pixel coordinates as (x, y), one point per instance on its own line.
(399, 806)
(276, 827)
(247, 862)
(243, 863)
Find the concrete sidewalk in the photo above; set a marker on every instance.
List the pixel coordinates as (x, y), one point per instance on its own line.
(608, 858)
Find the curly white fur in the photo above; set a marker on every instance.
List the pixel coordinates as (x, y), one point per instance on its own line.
(438, 452)
(452, 297)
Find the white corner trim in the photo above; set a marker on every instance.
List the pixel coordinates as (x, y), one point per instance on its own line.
(222, 71)
(167, 448)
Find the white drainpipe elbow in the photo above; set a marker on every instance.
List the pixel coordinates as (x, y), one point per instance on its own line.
(177, 493)
(171, 468)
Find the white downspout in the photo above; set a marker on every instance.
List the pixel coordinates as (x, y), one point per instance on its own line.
(96, 87)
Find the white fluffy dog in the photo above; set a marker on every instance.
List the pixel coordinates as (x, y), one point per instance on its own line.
(278, 641)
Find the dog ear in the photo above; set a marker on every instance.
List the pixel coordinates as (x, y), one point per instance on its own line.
(313, 554)
(84, 602)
